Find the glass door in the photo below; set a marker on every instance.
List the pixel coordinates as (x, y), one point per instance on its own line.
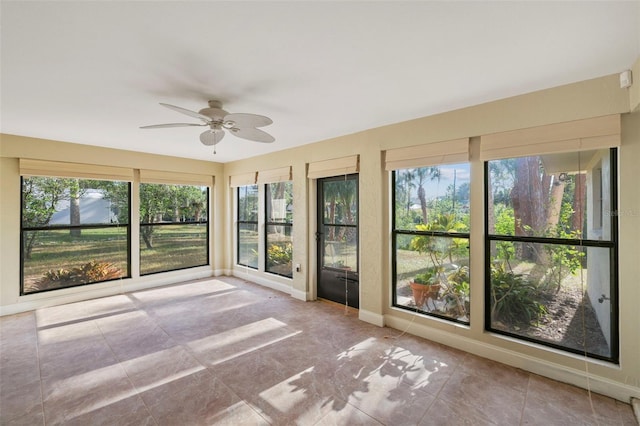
(337, 237)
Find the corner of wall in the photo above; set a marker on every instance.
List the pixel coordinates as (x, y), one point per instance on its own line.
(634, 90)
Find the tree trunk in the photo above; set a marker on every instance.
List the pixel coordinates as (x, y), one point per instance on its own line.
(528, 200)
(423, 204)
(555, 203)
(74, 207)
(147, 236)
(579, 202)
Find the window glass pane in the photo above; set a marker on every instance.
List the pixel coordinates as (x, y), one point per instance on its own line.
(432, 275)
(173, 203)
(63, 202)
(558, 294)
(556, 195)
(248, 203)
(174, 229)
(58, 259)
(341, 202)
(341, 247)
(174, 247)
(248, 244)
(279, 250)
(424, 196)
(280, 202)
(74, 232)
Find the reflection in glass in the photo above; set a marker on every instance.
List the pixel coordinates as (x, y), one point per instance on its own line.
(341, 247)
(248, 244)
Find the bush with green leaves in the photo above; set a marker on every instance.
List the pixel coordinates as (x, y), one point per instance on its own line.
(514, 299)
(279, 254)
(90, 272)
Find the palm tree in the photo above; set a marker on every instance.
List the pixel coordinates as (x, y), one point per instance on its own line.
(432, 173)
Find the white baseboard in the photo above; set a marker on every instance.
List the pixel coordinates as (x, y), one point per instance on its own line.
(258, 279)
(299, 294)
(598, 384)
(371, 317)
(94, 291)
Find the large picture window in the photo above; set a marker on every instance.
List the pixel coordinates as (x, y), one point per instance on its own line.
(247, 237)
(174, 229)
(431, 240)
(551, 250)
(279, 224)
(74, 232)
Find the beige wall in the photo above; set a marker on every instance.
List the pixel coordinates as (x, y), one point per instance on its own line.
(12, 148)
(586, 99)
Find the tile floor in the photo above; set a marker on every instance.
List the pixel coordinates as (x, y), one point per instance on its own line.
(224, 351)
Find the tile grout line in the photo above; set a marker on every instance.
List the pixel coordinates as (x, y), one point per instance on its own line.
(526, 399)
(124, 370)
(35, 321)
(140, 307)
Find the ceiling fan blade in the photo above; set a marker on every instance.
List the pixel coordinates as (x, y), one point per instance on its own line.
(255, 135)
(162, 126)
(246, 120)
(211, 137)
(188, 112)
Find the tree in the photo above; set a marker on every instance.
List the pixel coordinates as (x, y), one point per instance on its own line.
(432, 173)
(161, 202)
(74, 206)
(40, 195)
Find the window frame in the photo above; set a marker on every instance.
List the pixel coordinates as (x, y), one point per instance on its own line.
(161, 224)
(612, 245)
(394, 261)
(267, 223)
(246, 222)
(69, 227)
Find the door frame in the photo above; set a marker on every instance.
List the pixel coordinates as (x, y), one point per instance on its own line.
(315, 206)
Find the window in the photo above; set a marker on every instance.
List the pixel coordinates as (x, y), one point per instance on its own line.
(74, 232)
(279, 224)
(431, 240)
(551, 250)
(247, 237)
(174, 230)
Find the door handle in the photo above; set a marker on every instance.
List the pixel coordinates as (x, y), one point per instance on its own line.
(318, 236)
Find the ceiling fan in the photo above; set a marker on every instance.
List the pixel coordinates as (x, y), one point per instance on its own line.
(242, 125)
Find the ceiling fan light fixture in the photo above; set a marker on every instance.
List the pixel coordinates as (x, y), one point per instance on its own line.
(242, 125)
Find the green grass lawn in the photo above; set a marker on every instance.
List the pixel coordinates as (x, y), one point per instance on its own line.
(175, 247)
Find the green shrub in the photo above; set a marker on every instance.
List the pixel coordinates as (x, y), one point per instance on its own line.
(279, 254)
(514, 300)
(90, 272)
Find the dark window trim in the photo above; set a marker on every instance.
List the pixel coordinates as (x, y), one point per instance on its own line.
(267, 223)
(612, 245)
(193, 223)
(394, 261)
(69, 227)
(246, 222)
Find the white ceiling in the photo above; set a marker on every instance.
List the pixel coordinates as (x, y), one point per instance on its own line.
(93, 72)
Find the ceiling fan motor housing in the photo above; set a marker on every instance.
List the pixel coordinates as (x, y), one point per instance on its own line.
(215, 111)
